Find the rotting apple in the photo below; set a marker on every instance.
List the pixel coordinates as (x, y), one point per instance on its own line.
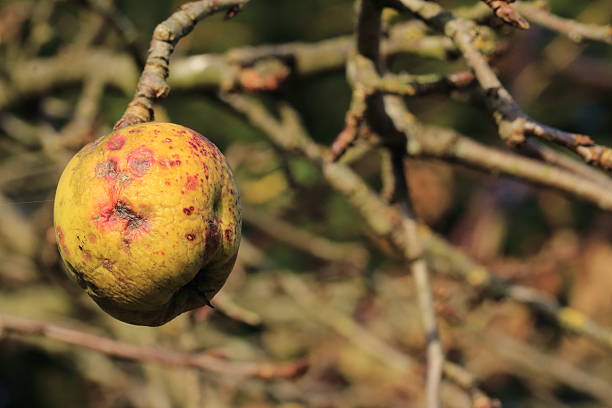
(148, 222)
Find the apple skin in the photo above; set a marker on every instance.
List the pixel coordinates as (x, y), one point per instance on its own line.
(148, 222)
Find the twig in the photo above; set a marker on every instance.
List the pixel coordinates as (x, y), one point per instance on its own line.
(447, 144)
(86, 110)
(383, 220)
(309, 58)
(577, 178)
(418, 85)
(545, 153)
(306, 241)
(400, 84)
(574, 30)
(353, 121)
(19, 326)
(450, 261)
(514, 125)
(540, 365)
(346, 326)
(368, 48)
(371, 344)
(152, 83)
(210, 71)
(506, 13)
(465, 380)
(225, 304)
(38, 76)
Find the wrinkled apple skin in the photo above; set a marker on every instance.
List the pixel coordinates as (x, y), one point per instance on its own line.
(147, 221)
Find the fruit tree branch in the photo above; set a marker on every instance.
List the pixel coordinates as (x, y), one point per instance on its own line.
(505, 12)
(514, 125)
(152, 84)
(19, 326)
(369, 33)
(384, 219)
(575, 30)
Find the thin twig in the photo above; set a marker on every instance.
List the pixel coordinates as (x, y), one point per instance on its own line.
(447, 144)
(574, 30)
(211, 71)
(541, 365)
(514, 125)
(506, 13)
(373, 345)
(383, 220)
(19, 326)
(306, 241)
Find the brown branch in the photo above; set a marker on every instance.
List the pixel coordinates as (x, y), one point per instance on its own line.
(545, 153)
(152, 83)
(345, 325)
(465, 380)
(310, 58)
(506, 13)
(419, 85)
(574, 178)
(235, 69)
(383, 220)
(322, 248)
(353, 121)
(373, 345)
(37, 76)
(447, 144)
(539, 365)
(573, 29)
(368, 31)
(19, 326)
(514, 125)
(400, 84)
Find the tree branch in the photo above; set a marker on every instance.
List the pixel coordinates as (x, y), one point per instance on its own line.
(152, 83)
(506, 13)
(514, 125)
(384, 220)
(574, 30)
(19, 326)
(368, 53)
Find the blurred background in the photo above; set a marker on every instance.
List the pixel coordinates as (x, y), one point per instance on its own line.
(66, 75)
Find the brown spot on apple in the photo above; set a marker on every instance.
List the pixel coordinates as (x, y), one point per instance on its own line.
(140, 161)
(106, 169)
(107, 264)
(192, 182)
(116, 142)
